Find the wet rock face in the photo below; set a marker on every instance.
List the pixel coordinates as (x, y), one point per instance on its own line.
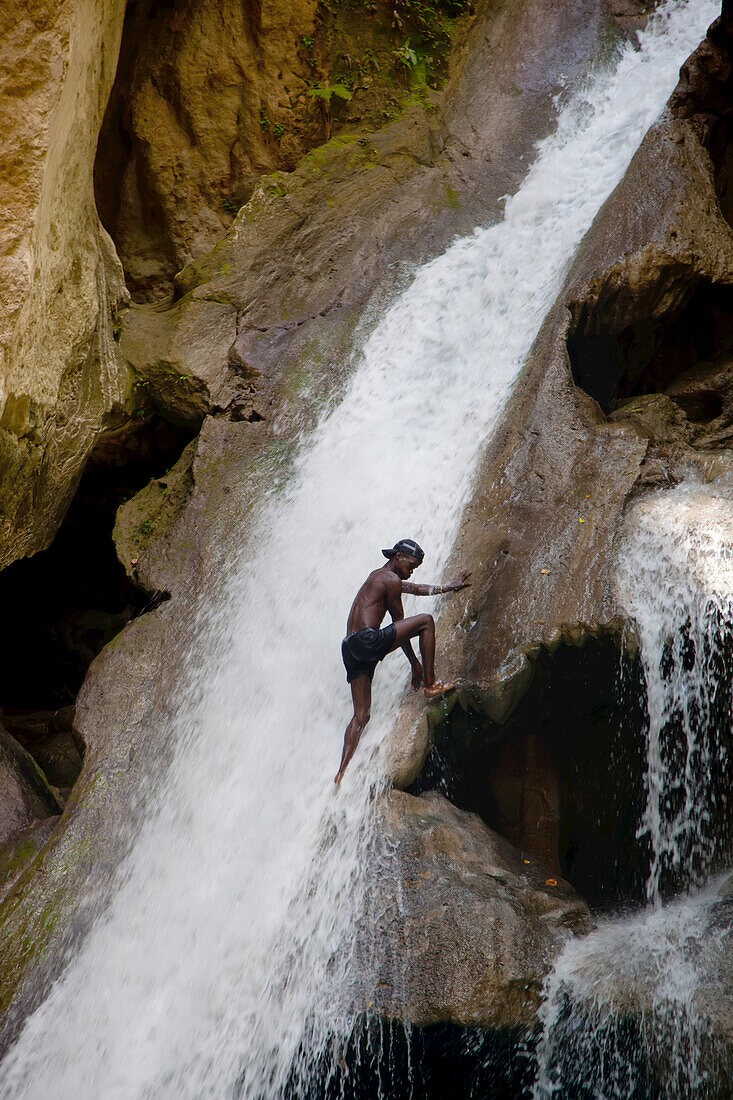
(210, 96)
(252, 345)
(472, 929)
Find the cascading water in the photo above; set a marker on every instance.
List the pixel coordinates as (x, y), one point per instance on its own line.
(676, 582)
(223, 966)
(675, 579)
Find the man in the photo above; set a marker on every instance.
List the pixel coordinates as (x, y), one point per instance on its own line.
(365, 645)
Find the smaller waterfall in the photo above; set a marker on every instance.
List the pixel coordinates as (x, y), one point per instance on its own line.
(619, 1017)
(675, 580)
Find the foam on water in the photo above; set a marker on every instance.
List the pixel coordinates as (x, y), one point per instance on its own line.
(223, 966)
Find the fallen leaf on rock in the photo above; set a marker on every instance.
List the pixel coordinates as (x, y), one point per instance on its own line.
(550, 882)
(135, 561)
(581, 520)
(544, 570)
(526, 861)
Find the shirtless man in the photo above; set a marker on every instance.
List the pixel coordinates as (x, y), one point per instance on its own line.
(365, 645)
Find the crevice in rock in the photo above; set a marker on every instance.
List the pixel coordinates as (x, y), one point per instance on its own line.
(65, 603)
(619, 349)
(562, 779)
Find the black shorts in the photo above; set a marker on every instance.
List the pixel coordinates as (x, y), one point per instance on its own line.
(363, 650)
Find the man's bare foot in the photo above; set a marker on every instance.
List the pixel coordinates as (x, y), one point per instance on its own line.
(432, 691)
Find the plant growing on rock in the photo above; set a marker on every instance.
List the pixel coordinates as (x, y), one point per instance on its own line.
(406, 56)
(324, 93)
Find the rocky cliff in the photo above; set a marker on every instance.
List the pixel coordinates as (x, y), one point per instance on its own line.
(267, 176)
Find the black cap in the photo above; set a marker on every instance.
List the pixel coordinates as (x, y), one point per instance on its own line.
(407, 546)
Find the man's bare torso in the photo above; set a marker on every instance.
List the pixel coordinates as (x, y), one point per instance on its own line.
(370, 603)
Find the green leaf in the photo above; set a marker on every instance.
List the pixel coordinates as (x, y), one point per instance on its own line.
(341, 91)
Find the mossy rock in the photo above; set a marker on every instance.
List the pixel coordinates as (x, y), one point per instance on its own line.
(150, 516)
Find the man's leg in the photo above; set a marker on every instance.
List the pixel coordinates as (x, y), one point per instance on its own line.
(421, 627)
(361, 694)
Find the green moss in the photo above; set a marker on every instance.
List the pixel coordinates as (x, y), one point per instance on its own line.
(15, 855)
(453, 201)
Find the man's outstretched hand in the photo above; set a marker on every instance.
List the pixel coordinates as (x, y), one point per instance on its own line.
(417, 676)
(460, 582)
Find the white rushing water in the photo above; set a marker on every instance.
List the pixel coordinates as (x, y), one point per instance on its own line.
(227, 948)
(619, 1019)
(675, 579)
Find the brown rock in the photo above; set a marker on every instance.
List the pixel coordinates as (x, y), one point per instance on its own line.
(210, 96)
(184, 361)
(472, 929)
(60, 280)
(200, 86)
(311, 248)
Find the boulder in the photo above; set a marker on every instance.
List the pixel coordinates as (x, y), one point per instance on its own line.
(176, 529)
(25, 796)
(184, 362)
(465, 925)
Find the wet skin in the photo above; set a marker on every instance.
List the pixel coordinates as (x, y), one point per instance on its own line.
(380, 593)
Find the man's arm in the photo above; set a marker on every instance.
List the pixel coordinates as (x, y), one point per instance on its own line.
(460, 582)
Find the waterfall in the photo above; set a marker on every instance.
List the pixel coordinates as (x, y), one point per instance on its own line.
(619, 1018)
(675, 579)
(676, 582)
(223, 965)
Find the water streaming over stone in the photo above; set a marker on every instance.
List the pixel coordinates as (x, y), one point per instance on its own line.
(676, 582)
(222, 968)
(619, 1021)
(675, 579)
